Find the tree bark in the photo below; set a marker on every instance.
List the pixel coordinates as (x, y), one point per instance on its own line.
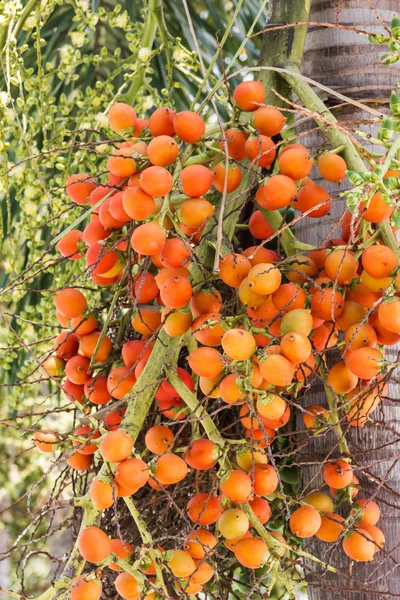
(346, 62)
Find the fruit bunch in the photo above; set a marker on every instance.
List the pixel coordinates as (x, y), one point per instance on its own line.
(246, 338)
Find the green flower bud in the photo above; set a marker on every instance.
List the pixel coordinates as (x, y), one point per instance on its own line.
(395, 27)
(395, 103)
(385, 132)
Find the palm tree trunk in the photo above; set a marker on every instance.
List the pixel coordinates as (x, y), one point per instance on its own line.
(346, 62)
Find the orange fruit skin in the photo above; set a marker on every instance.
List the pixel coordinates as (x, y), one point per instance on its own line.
(370, 513)
(359, 546)
(296, 163)
(251, 552)
(200, 455)
(237, 487)
(199, 543)
(127, 586)
(204, 509)
(81, 589)
(305, 522)
(116, 446)
(161, 122)
(268, 120)
(337, 474)
(189, 126)
(121, 116)
(331, 527)
(101, 494)
(377, 536)
(94, 545)
(248, 95)
(332, 167)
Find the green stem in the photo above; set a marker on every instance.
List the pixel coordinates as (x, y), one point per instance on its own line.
(142, 395)
(154, 14)
(288, 240)
(147, 540)
(334, 416)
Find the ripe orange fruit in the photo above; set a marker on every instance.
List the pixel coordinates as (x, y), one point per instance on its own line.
(77, 369)
(199, 543)
(265, 479)
(389, 316)
(156, 181)
(80, 462)
(162, 151)
(251, 552)
(122, 549)
(359, 546)
(277, 192)
(296, 163)
(189, 126)
(116, 446)
(81, 589)
(327, 304)
(337, 474)
(370, 513)
(102, 494)
(68, 245)
(377, 536)
(161, 122)
(305, 522)
(261, 150)
(312, 416)
(310, 196)
(79, 187)
(70, 302)
(332, 167)
(238, 344)
(277, 369)
(159, 439)
(331, 527)
(170, 469)
(126, 585)
(132, 473)
(137, 204)
(44, 440)
(268, 120)
(237, 487)
(379, 261)
(85, 447)
(236, 142)
(121, 116)
(196, 180)
(88, 346)
(94, 545)
(249, 95)
(201, 455)
(233, 177)
(73, 391)
(273, 407)
(377, 210)
(264, 278)
(364, 362)
(204, 509)
(205, 362)
(195, 212)
(261, 509)
(120, 381)
(148, 239)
